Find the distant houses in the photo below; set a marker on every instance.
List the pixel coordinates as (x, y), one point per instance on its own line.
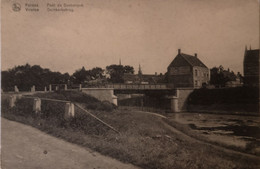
(141, 78)
(251, 67)
(187, 71)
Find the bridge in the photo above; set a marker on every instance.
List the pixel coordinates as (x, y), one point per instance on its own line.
(109, 92)
(148, 89)
(138, 86)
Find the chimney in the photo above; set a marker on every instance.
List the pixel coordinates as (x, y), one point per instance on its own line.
(196, 55)
(179, 51)
(155, 73)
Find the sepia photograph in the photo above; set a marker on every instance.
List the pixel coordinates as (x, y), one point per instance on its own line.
(130, 84)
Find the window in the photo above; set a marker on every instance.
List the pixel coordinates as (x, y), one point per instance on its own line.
(196, 83)
(196, 72)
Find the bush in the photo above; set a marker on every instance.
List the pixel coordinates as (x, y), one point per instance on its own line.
(236, 95)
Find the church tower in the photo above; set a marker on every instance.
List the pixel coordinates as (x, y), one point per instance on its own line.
(140, 70)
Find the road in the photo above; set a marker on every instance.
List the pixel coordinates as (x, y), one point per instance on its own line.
(24, 147)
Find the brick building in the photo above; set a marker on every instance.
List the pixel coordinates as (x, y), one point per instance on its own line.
(251, 67)
(187, 71)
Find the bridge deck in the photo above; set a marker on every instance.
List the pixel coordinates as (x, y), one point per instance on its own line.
(138, 86)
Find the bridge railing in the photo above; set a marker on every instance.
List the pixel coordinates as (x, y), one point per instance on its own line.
(137, 86)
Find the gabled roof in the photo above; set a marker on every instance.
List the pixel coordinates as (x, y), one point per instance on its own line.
(193, 61)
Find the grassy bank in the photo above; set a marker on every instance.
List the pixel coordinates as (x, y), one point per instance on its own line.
(144, 140)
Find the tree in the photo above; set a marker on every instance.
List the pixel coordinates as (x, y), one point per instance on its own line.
(219, 76)
(96, 73)
(216, 77)
(25, 76)
(116, 72)
(129, 69)
(80, 75)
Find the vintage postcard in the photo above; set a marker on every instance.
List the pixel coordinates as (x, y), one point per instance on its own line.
(91, 84)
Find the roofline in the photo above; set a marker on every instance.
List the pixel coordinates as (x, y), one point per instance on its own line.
(186, 60)
(189, 61)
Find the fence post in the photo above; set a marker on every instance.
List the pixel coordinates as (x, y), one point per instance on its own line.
(12, 100)
(50, 88)
(33, 88)
(45, 89)
(37, 105)
(65, 87)
(56, 88)
(80, 86)
(16, 89)
(69, 110)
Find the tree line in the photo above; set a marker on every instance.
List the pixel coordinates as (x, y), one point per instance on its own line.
(25, 76)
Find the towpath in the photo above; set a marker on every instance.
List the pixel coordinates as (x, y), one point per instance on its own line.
(25, 147)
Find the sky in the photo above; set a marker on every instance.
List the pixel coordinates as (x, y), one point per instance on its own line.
(145, 32)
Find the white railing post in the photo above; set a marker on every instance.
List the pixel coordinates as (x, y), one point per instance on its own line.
(69, 110)
(33, 88)
(16, 89)
(12, 100)
(80, 86)
(37, 105)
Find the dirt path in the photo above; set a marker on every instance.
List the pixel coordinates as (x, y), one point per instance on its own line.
(25, 147)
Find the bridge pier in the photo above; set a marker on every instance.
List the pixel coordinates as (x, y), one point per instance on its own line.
(102, 94)
(114, 100)
(174, 104)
